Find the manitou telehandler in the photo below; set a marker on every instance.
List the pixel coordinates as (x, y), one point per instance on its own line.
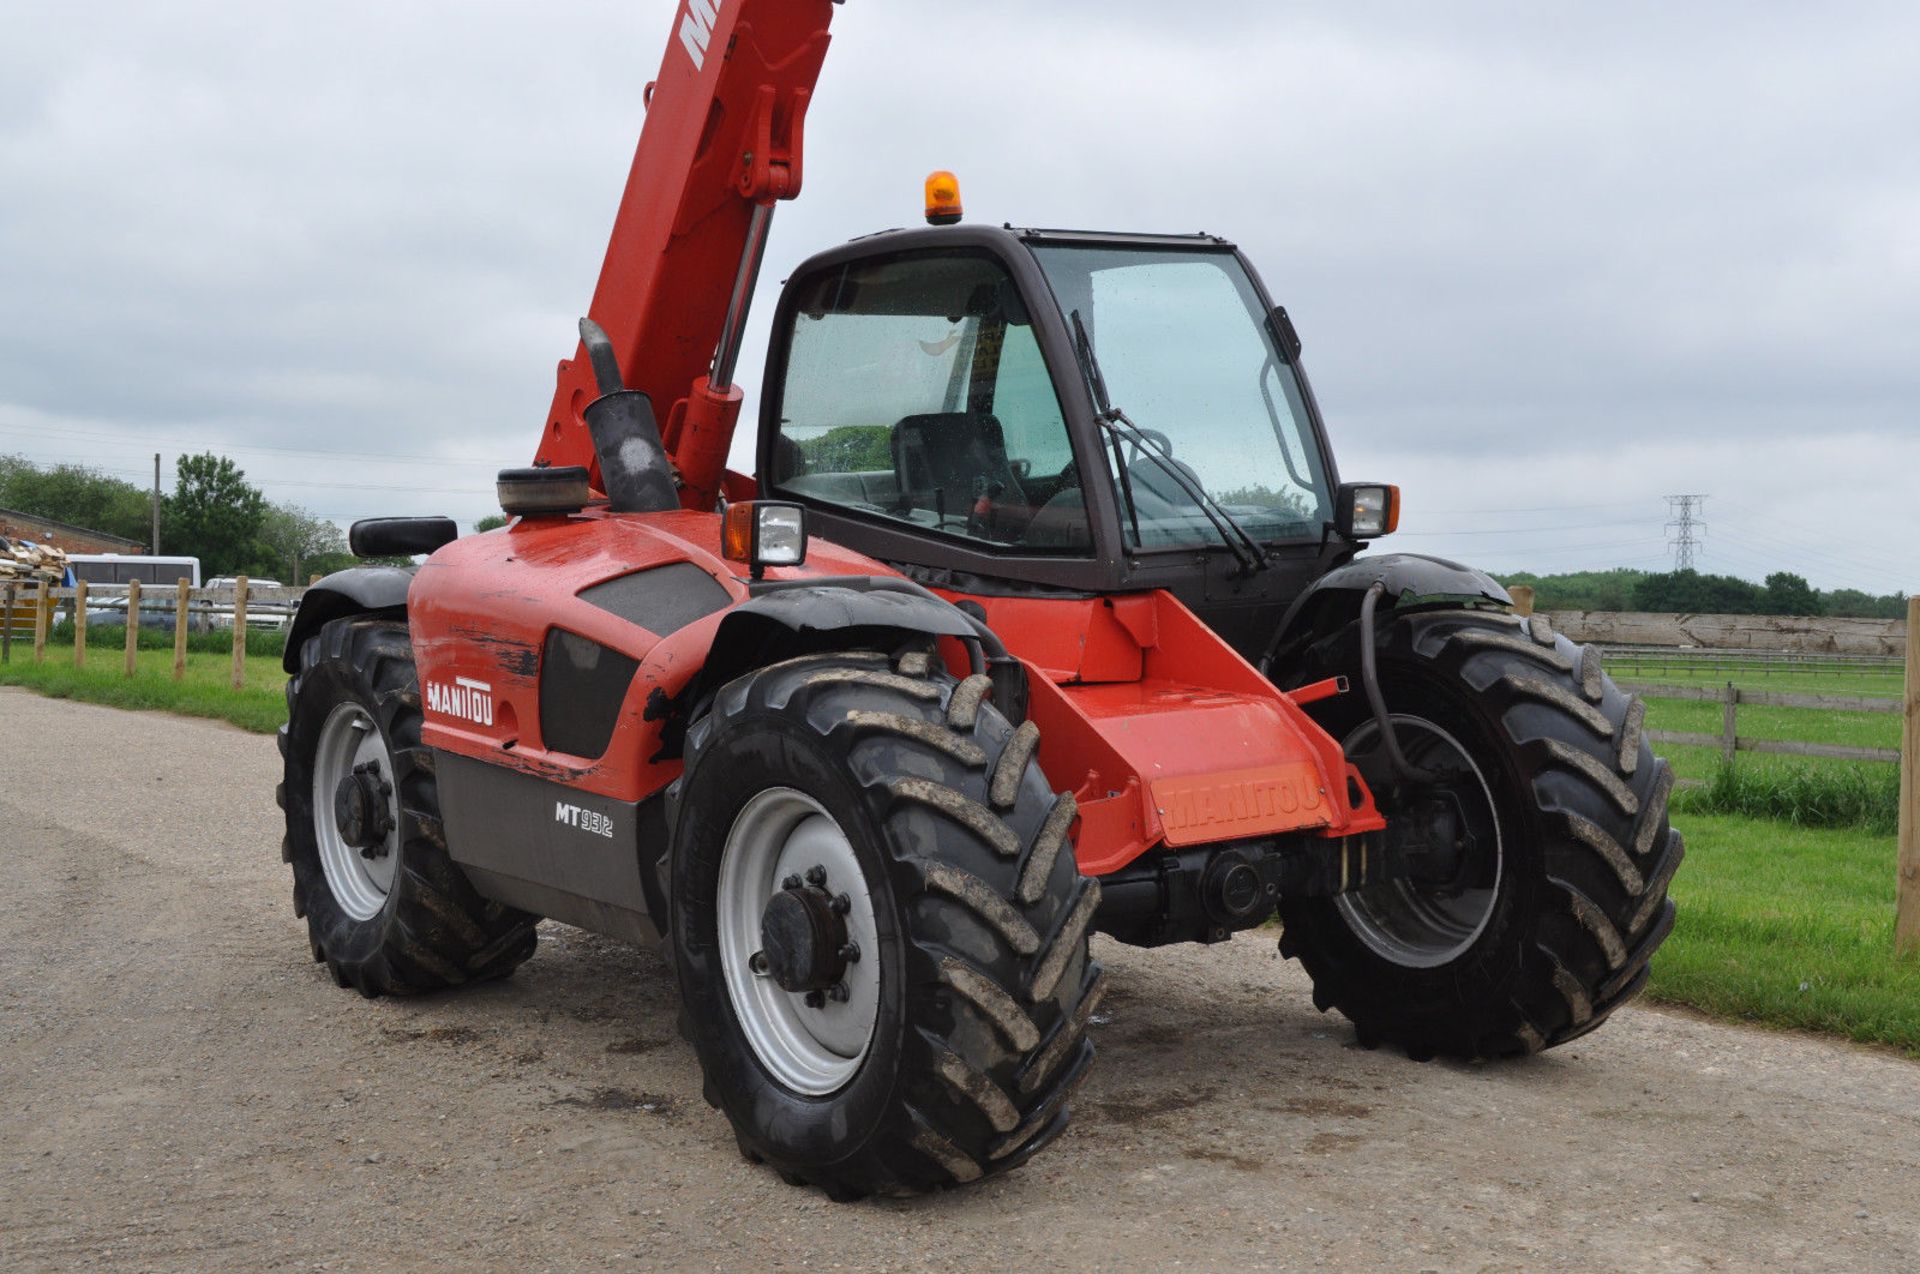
(1044, 614)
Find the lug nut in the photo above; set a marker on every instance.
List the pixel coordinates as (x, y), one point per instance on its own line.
(841, 904)
(839, 994)
(850, 952)
(792, 882)
(816, 999)
(816, 875)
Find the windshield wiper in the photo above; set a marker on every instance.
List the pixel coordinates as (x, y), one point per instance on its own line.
(1245, 549)
(1090, 369)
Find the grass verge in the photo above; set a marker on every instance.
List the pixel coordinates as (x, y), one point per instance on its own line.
(205, 690)
(1860, 796)
(1789, 926)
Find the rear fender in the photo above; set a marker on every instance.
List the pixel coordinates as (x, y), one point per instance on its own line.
(1413, 582)
(354, 591)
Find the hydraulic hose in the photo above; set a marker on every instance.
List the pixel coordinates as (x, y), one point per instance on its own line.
(1370, 679)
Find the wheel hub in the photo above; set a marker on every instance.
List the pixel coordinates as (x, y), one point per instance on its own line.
(361, 809)
(803, 937)
(1448, 843)
(798, 937)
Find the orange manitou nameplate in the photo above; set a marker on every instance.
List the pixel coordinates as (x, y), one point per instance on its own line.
(1239, 803)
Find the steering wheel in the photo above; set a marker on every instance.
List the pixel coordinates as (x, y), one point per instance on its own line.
(1160, 440)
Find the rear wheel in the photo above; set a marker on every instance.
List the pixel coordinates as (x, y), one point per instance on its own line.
(387, 910)
(879, 930)
(1559, 899)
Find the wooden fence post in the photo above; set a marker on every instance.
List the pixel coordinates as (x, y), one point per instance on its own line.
(42, 607)
(133, 623)
(240, 633)
(6, 630)
(1906, 922)
(180, 628)
(1729, 740)
(1522, 595)
(80, 623)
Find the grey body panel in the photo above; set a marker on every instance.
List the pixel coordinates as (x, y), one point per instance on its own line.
(554, 850)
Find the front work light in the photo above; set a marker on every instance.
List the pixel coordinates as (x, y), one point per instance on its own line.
(943, 198)
(764, 533)
(1364, 510)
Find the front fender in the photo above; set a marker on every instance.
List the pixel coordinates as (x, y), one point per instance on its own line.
(354, 591)
(800, 617)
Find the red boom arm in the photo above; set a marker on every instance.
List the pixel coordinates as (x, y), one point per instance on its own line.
(721, 144)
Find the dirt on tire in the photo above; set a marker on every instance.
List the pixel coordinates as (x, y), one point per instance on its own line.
(181, 1087)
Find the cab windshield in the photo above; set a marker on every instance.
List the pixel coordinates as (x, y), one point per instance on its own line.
(1184, 346)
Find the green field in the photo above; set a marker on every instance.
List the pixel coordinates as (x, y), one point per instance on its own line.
(1798, 676)
(1789, 926)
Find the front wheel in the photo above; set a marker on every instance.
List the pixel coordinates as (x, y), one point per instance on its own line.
(878, 926)
(1547, 918)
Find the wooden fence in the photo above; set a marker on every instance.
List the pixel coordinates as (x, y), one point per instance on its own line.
(1730, 741)
(29, 611)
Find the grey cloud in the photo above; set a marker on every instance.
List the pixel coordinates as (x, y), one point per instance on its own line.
(1519, 240)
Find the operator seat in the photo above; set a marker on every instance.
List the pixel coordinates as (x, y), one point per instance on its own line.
(945, 452)
(789, 461)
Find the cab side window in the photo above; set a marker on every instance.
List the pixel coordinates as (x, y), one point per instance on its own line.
(915, 392)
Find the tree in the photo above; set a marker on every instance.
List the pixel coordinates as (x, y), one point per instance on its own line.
(849, 449)
(78, 496)
(491, 522)
(1790, 594)
(294, 535)
(215, 514)
(1691, 592)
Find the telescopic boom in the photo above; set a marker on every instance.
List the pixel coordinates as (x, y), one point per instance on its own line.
(721, 145)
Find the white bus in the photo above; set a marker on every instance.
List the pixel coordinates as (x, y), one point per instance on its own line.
(122, 568)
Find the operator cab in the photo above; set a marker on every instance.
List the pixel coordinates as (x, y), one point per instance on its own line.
(1042, 408)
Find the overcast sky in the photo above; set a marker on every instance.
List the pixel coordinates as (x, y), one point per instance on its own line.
(1550, 263)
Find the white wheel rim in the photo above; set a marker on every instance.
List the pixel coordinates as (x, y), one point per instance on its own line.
(1405, 922)
(778, 834)
(350, 737)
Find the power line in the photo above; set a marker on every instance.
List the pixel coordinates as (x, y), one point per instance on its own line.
(1542, 508)
(227, 448)
(1531, 530)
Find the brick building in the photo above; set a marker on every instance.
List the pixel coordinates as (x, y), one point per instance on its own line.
(72, 539)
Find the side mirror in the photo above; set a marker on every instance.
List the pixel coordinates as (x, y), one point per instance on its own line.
(1366, 510)
(1283, 331)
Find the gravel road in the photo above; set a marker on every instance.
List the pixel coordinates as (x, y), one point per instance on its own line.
(180, 1087)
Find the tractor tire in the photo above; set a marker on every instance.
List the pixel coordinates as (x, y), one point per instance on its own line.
(948, 1048)
(387, 910)
(1553, 929)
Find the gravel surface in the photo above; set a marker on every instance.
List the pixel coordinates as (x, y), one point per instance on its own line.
(180, 1087)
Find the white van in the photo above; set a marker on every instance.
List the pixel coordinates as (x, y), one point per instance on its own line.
(122, 568)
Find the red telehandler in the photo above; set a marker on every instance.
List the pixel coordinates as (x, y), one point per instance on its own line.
(1045, 613)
